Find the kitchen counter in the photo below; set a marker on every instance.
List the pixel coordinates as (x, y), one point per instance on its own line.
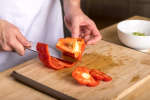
(12, 90)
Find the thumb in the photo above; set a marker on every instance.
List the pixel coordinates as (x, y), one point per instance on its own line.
(75, 30)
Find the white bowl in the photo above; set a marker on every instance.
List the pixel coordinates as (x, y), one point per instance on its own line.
(125, 34)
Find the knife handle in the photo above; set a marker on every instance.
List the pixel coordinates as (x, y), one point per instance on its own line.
(40, 87)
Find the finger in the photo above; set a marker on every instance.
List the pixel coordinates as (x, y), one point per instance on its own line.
(6, 47)
(81, 35)
(75, 30)
(87, 38)
(17, 46)
(23, 40)
(88, 32)
(95, 36)
(93, 39)
(84, 31)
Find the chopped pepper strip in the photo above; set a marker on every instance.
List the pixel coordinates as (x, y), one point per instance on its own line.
(73, 47)
(106, 78)
(49, 61)
(82, 75)
(97, 75)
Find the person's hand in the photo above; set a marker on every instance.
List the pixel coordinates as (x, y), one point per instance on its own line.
(11, 38)
(82, 26)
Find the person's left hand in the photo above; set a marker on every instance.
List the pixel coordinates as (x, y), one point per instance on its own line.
(81, 26)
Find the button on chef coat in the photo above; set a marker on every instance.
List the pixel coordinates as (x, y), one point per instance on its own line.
(38, 21)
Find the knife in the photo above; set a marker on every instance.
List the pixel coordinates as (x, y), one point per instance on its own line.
(41, 87)
(53, 52)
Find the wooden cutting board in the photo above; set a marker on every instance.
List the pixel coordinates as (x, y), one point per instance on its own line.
(128, 68)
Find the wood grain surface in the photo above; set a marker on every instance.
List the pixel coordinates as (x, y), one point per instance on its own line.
(128, 68)
(13, 90)
(110, 34)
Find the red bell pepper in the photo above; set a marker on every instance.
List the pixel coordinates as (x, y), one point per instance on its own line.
(89, 77)
(49, 61)
(97, 75)
(72, 47)
(106, 78)
(82, 75)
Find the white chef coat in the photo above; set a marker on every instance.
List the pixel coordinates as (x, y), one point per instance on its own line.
(38, 20)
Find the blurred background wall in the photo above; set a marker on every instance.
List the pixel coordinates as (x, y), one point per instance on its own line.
(108, 12)
(117, 8)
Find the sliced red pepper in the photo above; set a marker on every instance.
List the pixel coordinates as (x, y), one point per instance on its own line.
(43, 53)
(106, 78)
(60, 62)
(49, 61)
(98, 75)
(72, 47)
(82, 75)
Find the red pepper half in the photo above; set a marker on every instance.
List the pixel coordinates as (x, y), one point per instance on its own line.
(49, 61)
(72, 47)
(82, 75)
(96, 74)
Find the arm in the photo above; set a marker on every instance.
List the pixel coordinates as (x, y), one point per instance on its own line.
(71, 5)
(79, 24)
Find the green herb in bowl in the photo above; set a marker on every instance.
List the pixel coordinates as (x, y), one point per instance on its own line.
(138, 34)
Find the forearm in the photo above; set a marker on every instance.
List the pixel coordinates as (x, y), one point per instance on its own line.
(71, 6)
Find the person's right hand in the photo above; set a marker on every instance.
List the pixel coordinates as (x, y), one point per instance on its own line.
(11, 38)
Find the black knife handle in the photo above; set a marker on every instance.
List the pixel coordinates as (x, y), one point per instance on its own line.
(40, 87)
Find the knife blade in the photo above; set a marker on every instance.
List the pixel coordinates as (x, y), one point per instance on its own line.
(53, 52)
